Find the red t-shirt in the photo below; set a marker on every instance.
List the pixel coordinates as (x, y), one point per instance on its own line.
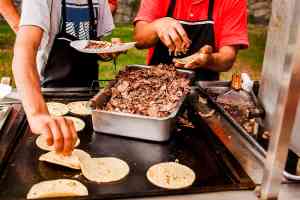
(230, 17)
(113, 2)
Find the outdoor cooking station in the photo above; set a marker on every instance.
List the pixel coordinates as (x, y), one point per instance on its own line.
(223, 159)
(228, 163)
(197, 147)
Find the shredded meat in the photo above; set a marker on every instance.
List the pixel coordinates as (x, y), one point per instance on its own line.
(98, 44)
(153, 92)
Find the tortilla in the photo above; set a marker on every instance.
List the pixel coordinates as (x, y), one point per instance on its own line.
(104, 170)
(171, 175)
(57, 109)
(42, 143)
(57, 188)
(80, 108)
(71, 161)
(78, 123)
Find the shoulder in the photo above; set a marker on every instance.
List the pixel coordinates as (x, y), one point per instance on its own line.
(37, 13)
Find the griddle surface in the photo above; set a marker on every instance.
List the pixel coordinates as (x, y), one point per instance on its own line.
(215, 168)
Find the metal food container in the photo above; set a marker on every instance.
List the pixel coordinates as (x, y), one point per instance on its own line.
(132, 125)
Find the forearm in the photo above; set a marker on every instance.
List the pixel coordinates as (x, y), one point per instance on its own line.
(27, 78)
(145, 34)
(10, 13)
(223, 60)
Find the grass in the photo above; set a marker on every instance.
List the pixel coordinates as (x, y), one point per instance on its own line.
(7, 38)
(249, 60)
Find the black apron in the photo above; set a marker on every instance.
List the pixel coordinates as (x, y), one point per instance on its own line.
(200, 33)
(67, 67)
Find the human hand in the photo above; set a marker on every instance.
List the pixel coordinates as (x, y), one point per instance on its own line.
(172, 34)
(197, 60)
(58, 131)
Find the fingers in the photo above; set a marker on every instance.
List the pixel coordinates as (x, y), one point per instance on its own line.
(68, 140)
(172, 34)
(47, 133)
(165, 38)
(207, 49)
(73, 131)
(64, 135)
(176, 39)
(183, 36)
(57, 136)
(199, 61)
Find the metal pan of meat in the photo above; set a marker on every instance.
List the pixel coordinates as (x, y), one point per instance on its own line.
(142, 102)
(241, 108)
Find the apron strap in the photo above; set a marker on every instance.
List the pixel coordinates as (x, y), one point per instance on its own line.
(63, 15)
(171, 8)
(211, 9)
(93, 21)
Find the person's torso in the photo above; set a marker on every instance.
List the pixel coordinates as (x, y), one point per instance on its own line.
(78, 18)
(197, 10)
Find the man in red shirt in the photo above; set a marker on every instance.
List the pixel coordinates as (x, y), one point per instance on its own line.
(213, 29)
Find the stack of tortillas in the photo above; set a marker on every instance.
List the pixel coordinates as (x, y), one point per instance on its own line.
(171, 175)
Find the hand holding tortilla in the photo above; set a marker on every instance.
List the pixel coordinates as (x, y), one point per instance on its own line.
(58, 131)
(197, 60)
(41, 142)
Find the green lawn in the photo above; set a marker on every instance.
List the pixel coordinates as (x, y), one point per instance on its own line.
(249, 60)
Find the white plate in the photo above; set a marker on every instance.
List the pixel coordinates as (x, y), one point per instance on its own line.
(81, 44)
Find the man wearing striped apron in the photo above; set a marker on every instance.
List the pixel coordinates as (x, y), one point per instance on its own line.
(43, 58)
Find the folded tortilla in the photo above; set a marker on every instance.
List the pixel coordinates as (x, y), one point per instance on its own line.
(57, 188)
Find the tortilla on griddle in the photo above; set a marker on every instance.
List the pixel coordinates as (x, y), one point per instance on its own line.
(71, 161)
(171, 175)
(78, 123)
(57, 109)
(57, 188)
(41, 142)
(104, 170)
(80, 108)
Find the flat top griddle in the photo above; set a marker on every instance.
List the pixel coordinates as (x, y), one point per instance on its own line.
(215, 168)
(15, 121)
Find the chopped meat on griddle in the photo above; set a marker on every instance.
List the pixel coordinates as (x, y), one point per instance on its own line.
(153, 92)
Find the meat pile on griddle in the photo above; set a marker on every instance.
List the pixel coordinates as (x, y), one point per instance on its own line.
(153, 92)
